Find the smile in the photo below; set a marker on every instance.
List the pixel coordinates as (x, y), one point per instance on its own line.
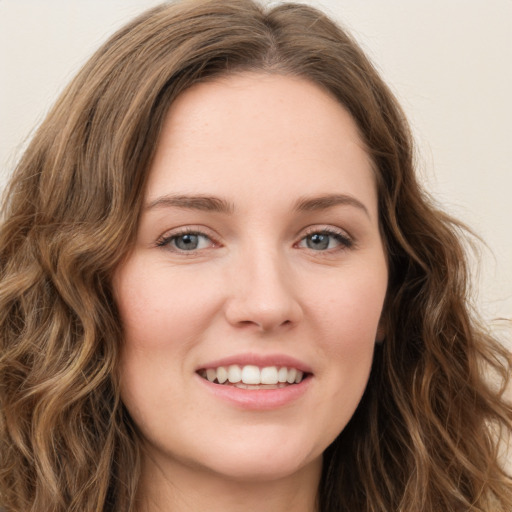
(253, 377)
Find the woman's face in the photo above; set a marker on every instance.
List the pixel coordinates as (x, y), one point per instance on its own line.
(258, 257)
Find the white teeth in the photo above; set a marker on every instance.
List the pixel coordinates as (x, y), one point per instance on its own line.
(292, 373)
(234, 373)
(269, 375)
(251, 375)
(241, 385)
(222, 374)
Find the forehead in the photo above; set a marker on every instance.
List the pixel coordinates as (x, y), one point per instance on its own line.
(252, 134)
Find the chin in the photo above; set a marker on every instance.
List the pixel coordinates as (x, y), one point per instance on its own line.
(233, 458)
(262, 460)
(264, 469)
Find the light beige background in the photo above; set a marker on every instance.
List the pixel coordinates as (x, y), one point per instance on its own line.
(448, 61)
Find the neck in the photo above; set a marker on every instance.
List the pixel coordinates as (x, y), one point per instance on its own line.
(166, 487)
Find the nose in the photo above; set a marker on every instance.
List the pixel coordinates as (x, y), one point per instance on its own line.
(262, 293)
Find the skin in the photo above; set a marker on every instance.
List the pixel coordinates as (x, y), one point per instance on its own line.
(255, 284)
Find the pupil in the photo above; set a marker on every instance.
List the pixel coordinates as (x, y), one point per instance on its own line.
(318, 241)
(187, 242)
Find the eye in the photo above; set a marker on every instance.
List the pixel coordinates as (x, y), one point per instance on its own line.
(187, 241)
(325, 240)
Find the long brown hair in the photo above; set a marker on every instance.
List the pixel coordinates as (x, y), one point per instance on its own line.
(426, 435)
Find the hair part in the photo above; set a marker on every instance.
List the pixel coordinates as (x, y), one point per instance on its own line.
(425, 436)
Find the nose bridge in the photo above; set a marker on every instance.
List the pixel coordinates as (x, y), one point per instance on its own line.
(262, 292)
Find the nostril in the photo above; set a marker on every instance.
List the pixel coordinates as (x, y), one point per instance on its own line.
(263, 303)
(266, 324)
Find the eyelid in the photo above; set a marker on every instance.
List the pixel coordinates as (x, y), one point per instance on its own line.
(164, 240)
(347, 241)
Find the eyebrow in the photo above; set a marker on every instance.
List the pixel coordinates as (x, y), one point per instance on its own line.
(203, 203)
(216, 204)
(308, 204)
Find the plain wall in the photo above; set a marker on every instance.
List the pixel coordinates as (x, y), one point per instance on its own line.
(448, 61)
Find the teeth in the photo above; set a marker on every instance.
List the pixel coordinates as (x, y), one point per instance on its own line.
(282, 374)
(234, 373)
(292, 373)
(269, 375)
(250, 376)
(222, 374)
(241, 385)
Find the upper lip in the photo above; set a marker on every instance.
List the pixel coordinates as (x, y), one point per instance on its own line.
(260, 360)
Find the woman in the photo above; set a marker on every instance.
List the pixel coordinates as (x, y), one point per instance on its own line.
(222, 286)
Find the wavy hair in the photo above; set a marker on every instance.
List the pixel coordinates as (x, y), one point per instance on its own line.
(426, 434)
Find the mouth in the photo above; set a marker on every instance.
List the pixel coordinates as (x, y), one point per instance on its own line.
(253, 377)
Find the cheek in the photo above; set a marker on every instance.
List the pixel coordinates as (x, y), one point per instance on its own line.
(161, 309)
(164, 315)
(347, 315)
(348, 310)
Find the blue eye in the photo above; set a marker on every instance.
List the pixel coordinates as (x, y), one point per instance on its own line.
(324, 240)
(187, 242)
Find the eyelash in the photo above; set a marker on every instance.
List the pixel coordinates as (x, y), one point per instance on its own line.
(166, 241)
(345, 241)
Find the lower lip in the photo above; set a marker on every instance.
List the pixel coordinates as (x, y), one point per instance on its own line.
(257, 399)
